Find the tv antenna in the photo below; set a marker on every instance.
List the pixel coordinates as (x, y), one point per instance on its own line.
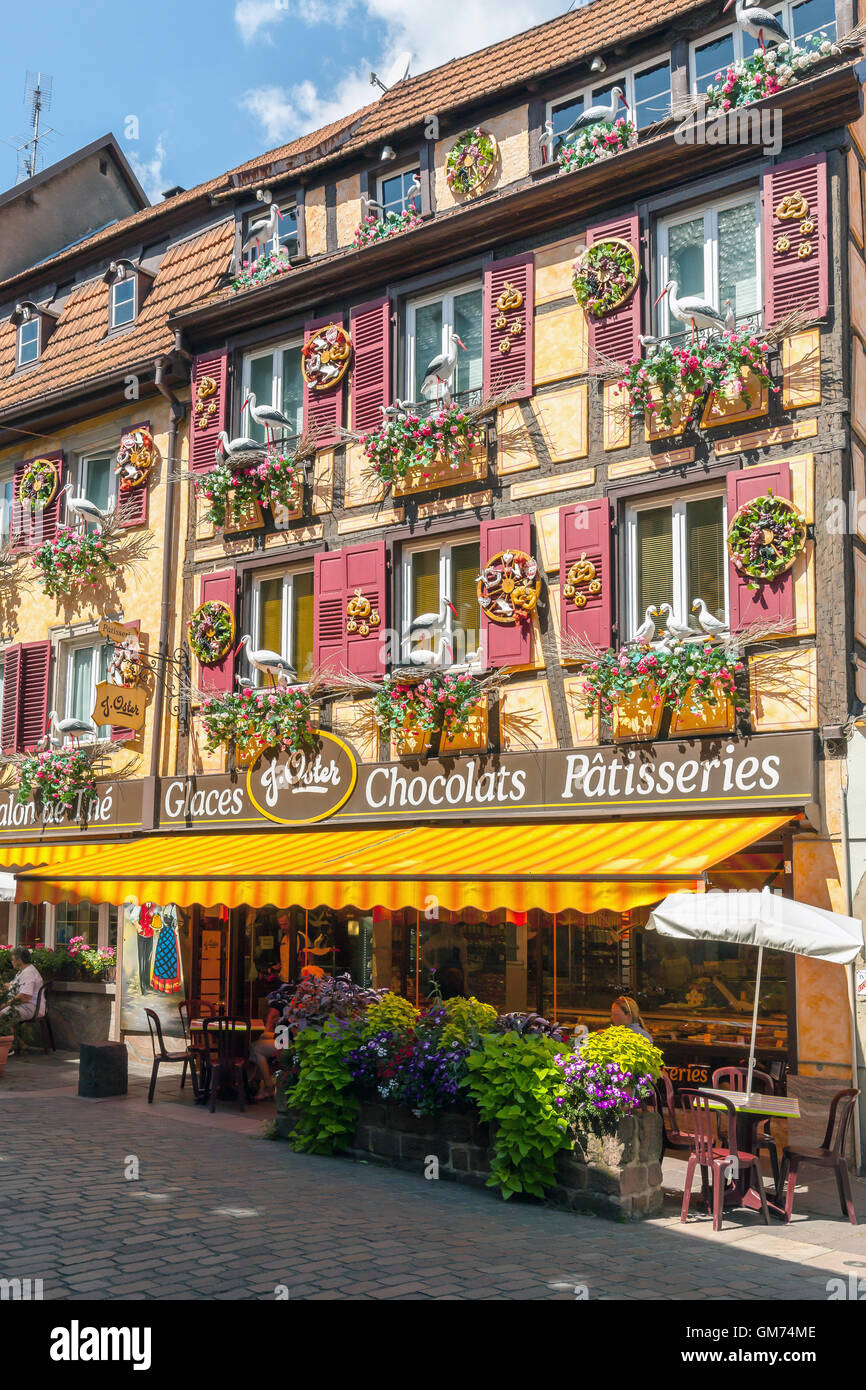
(38, 91)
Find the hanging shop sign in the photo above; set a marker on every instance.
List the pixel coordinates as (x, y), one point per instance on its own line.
(123, 706)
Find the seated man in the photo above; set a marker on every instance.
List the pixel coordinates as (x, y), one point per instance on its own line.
(24, 987)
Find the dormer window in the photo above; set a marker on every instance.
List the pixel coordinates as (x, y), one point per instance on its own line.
(128, 285)
(802, 19)
(400, 191)
(284, 238)
(33, 329)
(122, 302)
(28, 341)
(647, 93)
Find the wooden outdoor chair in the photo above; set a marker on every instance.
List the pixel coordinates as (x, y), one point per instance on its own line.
(41, 1021)
(830, 1155)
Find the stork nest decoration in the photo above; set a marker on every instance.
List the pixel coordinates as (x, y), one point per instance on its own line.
(325, 357)
(38, 486)
(598, 142)
(765, 538)
(134, 458)
(471, 161)
(211, 632)
(253, 720)
(361, 616)
(673, 379)
(605, 276)
(509, 587)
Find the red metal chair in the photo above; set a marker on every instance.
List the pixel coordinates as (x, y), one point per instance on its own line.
(830, 1155)
(714, 1160)
(736, 1077)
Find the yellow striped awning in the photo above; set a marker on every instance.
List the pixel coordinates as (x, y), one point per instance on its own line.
(583, 865)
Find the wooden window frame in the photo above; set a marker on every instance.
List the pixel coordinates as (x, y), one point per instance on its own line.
(447, 294)
(282, 345)
(709, 210)
(654, 501)
(393, 171)
(444, 547)
(286, 573)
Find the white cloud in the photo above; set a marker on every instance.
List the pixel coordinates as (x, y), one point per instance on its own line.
(150, 172)
(455, 28)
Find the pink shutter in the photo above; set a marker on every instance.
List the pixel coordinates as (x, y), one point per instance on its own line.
(506, 369)
(370, 326)
(11, 696)
(132, 504)
(30, 528)
(119, 735)
(769, 602)
(616, 335)
(505, 644)
(329, 611)
(792, 281)
(366, 569)
(33, 697)
(323, 410)
(220, 587)
(208, 411)
(585, 532)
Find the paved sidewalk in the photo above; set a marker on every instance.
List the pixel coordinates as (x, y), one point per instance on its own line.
(218, 1212)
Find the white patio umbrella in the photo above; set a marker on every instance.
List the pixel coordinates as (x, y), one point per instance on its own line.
(759, 919)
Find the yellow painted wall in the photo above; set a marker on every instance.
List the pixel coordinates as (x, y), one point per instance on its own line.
(823, 1013)
(349, 209)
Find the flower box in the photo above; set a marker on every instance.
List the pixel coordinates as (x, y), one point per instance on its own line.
(638, 715)
(721, 409)
(715, 718)
(290, 510)
(410, 743)
(469, 466)
(243, 516)
(655, 430)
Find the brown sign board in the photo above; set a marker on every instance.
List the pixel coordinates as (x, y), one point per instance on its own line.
(115, 810)
(124, 706)
(118, 632)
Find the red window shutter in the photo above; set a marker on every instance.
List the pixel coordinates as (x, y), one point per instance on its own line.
(505, 369)
(366, 569)
(616, 335)
(505, 645)
(132, 504)
(769, 602)
(323, 410)
(11, 696)
(208, 410)
(370, 326)
(119, 735)
(792, 282)
(220, 587)
(33, 697)
(30, 528)
(329, 611)
(585, 532)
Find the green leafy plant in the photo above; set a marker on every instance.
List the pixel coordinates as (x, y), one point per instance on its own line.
(59, 778)
(466, 1021)
(440, 701)
(700, 673)
(374, 229)
(276, 718)
(628, 1050)
(73, 560)
(9, 1012)
(598, 142)
(391, 1013)
(323, 1093)
(516, 1086)
(232, 488)
(763, 74)
(270, 265)
(408, 442)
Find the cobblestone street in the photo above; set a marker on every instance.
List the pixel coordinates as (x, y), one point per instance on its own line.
(219, 1212)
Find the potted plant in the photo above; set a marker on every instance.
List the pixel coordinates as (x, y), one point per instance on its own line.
(8, 1019)
(629, 687)
(267, 718)
(598, 142)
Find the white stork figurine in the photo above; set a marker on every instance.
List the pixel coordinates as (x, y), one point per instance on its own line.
(431, 659)
(268, 662)
(370, 203)
(428, 622)
(264, 229)
(649, 343)
(80, 506)
(548, 141)
(692, 308)
(414, 189)
(754, 20)
(242, 445)
(730, 317)
(706, 621)
(673, 626)
(267, 416)
(594, 115)
(441, 370)
(73, 729)
(647, 630)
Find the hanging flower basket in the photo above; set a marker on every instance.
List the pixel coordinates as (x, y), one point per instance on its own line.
(470, 162)
(56, 779)
(269, 266)
(411, 444)
(765, 74)
(233, 489)
(374, 229)
(253, 720)
(38, 485)
(325, 357)
(606, 276)
(134, 459)
(72, 561)
(765, 538)
(598, 142)
(211, 632)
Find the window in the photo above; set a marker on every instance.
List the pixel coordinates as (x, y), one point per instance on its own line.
(285, 237)
(97, 481)
(394, 194)
(274, 377)
(28, 341)
(714, 251)
(86, 666)
(647, 91)
(76, 919)
(283, 619)
(428, 324)
(712, 55)
(7, 489)
(123, 301)
(676, 554)
(432, 572)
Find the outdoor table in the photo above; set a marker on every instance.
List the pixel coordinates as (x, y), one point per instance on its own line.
(751, 1108)
(244, 1031)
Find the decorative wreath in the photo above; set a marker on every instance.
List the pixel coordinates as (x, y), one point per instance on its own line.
(211, 632)
(361, 616)
(605, 276)
(134, 458)
(471, 160)
(38, 485)
(509, 587)
(765, 538)
(325, 357)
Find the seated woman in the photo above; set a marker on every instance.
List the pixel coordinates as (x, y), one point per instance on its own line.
(624, 1013)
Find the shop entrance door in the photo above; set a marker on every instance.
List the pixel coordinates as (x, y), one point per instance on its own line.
(210, 956)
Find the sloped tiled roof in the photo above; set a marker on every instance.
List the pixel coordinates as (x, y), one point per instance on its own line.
(81, 348)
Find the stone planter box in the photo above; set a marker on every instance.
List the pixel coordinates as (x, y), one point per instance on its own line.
(80, 1011)
(618, 1177)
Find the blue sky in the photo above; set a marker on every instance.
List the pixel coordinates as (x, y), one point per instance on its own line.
(214, 84)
